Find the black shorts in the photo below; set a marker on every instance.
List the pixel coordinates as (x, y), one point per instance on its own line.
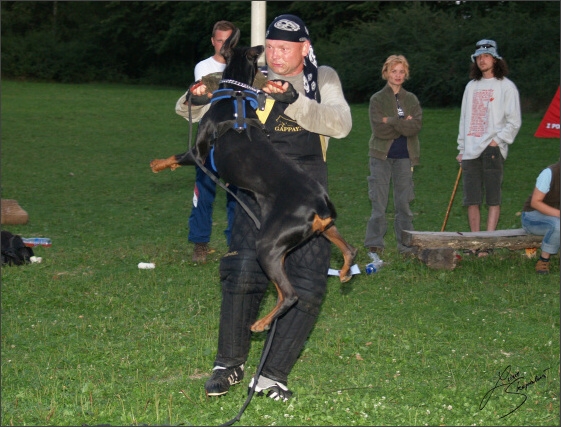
(485, 172)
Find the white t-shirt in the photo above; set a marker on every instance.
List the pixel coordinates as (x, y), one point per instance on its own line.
(208, 66)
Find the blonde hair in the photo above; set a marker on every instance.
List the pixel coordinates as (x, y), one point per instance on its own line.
(391, 62)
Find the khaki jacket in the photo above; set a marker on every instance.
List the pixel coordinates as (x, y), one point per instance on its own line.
(383, 104)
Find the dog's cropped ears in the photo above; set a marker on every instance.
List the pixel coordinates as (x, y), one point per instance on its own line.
(255, 52)
(231, 42)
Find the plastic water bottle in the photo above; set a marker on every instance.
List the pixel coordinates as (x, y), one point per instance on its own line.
(36, 241)
(373, 267)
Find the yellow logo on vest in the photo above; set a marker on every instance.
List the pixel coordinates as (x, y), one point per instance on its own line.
(286, 124)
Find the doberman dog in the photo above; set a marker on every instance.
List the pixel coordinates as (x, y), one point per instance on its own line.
(294, 206)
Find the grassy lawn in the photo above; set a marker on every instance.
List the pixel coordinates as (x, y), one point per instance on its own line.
(88, 338)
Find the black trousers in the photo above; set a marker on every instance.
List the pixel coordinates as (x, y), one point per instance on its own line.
(244, 284)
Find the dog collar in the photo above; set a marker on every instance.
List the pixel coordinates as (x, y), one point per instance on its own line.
(240, 84)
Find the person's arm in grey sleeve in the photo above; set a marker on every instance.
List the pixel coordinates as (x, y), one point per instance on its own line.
(332, 116)
(197, 111)
(512, 116)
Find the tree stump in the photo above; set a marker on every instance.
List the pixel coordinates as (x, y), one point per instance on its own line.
(439, 258)
(12, 213)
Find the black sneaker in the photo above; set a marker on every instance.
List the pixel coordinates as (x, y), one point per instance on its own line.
(222, 378)
(274, 389)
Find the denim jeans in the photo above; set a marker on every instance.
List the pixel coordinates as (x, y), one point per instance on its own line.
(200, 220)
(539, 224)
(381, 173)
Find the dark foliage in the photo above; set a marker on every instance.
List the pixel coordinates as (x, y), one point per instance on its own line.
(159, 42)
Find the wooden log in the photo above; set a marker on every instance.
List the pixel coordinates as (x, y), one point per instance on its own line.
(511, 239)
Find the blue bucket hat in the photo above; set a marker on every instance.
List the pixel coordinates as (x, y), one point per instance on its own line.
(485, 46)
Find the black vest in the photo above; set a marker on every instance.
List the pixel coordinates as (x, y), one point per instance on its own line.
(289, 137)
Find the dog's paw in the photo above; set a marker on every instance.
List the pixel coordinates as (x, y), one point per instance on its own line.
(345, 277)
(154, 165)
(158, 165)
(260, 326)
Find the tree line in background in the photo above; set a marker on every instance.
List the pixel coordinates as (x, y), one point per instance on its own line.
(159, 42)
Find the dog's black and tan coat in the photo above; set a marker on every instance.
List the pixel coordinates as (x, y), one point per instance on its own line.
(294, 206)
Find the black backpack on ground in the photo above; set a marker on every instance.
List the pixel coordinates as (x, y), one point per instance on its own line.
(14, 252)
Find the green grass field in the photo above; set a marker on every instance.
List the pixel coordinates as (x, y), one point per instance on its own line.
(89, 339)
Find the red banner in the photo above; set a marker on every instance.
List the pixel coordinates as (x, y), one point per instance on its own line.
(549, 127)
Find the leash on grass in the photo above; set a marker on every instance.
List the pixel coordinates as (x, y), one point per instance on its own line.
(213, 176)
(256, 376)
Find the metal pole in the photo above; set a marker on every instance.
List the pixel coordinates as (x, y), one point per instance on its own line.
(258, 25)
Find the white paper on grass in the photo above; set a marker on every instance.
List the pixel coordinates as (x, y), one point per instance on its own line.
(333, 272)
